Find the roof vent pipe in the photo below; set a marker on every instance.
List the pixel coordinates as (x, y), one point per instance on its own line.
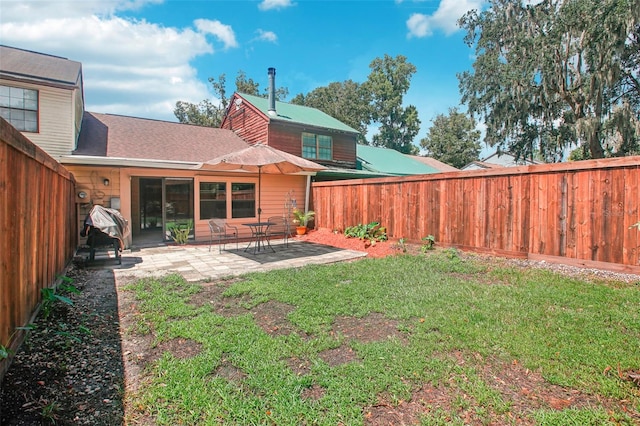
(272, 91)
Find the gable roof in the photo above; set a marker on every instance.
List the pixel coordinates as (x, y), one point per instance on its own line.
(25, 65)
(429, 161)
(390, 161)
(297, 114)
(108, 135)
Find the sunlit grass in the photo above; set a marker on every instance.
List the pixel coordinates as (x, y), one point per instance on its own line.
(456, 315)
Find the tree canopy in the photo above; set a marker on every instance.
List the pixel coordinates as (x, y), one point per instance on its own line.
(378, 100)
(555, 74)
(388, 82)
(206, 113)
(453, 139)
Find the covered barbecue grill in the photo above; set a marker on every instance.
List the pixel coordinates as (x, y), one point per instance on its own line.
(105, 229)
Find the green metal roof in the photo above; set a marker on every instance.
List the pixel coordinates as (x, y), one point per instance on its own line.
(390, 161)
(298, 114)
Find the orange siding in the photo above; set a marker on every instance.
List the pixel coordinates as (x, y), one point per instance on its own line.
(580, 210)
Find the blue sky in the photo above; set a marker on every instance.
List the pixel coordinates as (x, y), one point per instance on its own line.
(141, 56)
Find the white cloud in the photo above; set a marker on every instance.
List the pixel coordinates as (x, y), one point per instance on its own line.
(269, 36)
(274, 4)
(131, 67)
(445, 18)
(221, 31)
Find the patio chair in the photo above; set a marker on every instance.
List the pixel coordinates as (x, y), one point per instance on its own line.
(279, 228)
(222, 232)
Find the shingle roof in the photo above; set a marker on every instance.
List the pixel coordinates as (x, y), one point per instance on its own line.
(438, 165)
(298, 114)
(140, 138)
(390, 161)
(27, 65)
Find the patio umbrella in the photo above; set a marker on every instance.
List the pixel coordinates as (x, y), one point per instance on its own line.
(260, 158)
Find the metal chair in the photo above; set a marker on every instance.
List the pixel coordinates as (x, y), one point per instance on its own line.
(279, 227)
(222, 232)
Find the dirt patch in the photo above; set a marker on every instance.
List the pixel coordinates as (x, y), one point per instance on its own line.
(212, 295)
(299, 366)
(338, 356)
(314, 393)
(229, 372)
(272, 318)
(372, 328)
(181, 348)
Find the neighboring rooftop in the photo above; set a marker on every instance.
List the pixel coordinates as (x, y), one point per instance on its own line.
(108, 135)
(432, 162)
(19, 64)
(390, 162)
(498, 160)
(298, 114)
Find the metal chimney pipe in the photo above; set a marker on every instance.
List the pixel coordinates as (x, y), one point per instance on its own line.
(272, 91)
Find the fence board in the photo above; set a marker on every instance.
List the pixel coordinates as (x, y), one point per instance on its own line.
(37, 218)
(579, 210)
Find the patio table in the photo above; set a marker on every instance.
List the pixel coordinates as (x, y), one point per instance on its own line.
(259, 236)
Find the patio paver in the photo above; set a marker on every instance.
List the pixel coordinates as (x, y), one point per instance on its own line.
(197, 263)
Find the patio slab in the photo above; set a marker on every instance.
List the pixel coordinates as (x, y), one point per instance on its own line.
(197, 263)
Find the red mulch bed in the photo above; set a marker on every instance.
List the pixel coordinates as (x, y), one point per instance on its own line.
(336, 239)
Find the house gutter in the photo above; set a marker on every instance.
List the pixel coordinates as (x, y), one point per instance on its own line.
(127, 162)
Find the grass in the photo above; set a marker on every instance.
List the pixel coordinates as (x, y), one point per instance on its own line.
(457, 316)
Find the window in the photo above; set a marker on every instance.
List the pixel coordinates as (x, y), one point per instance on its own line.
(19, 107)
(243, 199)
(214, 199)
(317, 146)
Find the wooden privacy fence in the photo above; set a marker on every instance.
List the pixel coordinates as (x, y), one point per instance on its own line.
(37, 225)
(579, 213)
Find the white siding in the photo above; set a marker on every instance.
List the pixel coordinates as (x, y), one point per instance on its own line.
(56, 118)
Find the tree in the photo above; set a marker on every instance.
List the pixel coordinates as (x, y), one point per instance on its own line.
(348, 102)
(387, 83)
(453, 139)
(548, 75)
(206, 113)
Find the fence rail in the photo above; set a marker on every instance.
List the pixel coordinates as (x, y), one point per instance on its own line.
(37, 219)
(579, 213)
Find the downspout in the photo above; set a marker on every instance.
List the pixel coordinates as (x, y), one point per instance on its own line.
(307, 192)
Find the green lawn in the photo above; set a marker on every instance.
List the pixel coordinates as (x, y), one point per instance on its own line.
(470, 343)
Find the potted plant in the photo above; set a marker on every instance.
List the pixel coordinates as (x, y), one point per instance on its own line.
(300, 219)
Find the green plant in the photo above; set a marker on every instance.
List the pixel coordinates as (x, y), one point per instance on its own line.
(402, 245)
(50, 412)
(302, 218)
(49, 297)
(180, 232)
(372, 232)
(4, 350)
(429, 243)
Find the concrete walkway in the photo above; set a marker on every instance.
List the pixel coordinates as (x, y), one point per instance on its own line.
(196, 262)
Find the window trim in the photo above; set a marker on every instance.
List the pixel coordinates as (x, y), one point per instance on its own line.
(317, 149)
(229, 200)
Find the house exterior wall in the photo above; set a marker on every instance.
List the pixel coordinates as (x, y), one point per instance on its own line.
(254, 127)
(275, 191)
(248, 123)
(288, 138)
(59, 117)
